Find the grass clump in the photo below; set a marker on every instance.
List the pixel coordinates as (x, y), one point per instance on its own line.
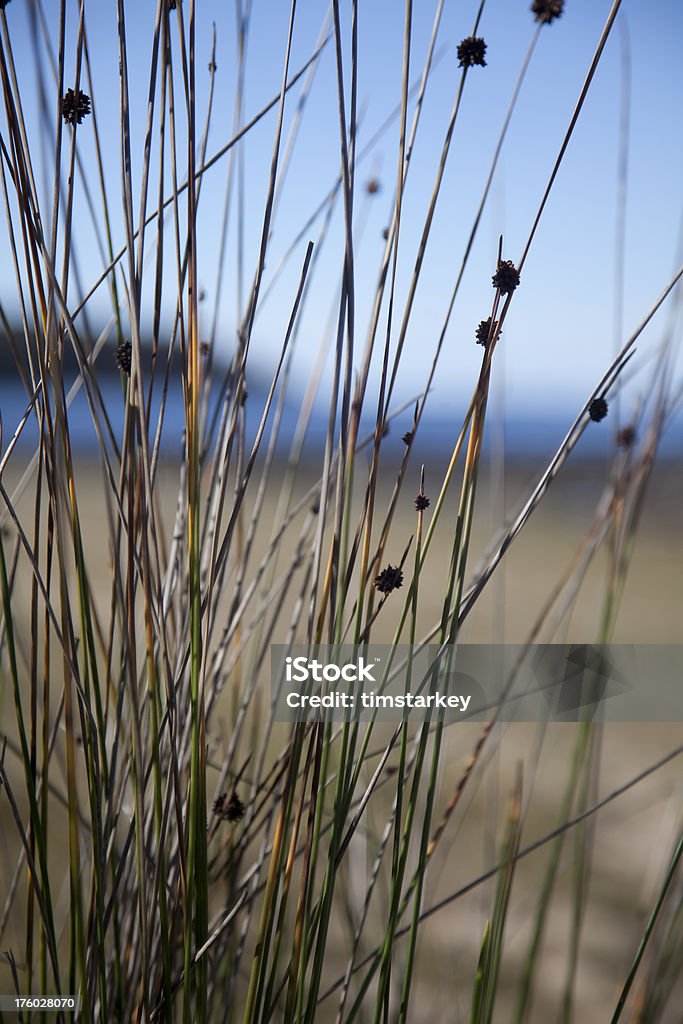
(176, 852)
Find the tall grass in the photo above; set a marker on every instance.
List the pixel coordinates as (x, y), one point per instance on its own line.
(174, 852)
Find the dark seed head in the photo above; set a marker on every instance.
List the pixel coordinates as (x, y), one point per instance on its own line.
(171, 5)
(228, 810)
(421, 502)
(389, 579)
(75, 106)
(3, 4)
(372, 186)
(471, 51)
(123, 357)
(483, 330)
(597, 410)
(235, 808)
(385, 233)
(626, 437)
(506, 277)
(408, 438)
(545, 11)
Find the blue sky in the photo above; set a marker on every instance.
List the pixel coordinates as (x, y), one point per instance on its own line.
(559, 336)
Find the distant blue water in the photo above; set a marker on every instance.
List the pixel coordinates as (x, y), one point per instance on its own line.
(523, 435)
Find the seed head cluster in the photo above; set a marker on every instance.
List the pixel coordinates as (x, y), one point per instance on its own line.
(421, 502)
(597, 410)
(123, 357)
(484, 329)
(471, 51)
(228, 809)
(75, 106)
(506, 277)
(3, 4)
(546, 11)
(390, 578)
(408, 438)
(626, 437)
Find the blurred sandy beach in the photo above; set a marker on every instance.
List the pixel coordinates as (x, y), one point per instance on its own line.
(634, 834)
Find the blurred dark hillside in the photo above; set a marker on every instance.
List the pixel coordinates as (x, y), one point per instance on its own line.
(14, 362)
(519, 433)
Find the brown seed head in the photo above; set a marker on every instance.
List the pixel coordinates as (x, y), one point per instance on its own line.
(626, 437)
(545, 11)
(228, 810)
(471, 51)
(506, 277)
(390, 578)
(75, 106)
(483, 330)
(597, 410)
(123, 357)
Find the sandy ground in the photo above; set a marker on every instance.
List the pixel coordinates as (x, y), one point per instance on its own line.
(634, 834)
